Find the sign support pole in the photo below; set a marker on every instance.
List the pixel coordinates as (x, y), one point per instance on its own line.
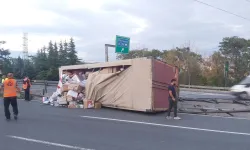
(107, 51)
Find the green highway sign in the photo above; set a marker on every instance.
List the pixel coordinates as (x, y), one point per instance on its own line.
(226, 66)
(122, 44)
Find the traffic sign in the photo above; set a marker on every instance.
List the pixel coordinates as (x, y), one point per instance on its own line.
(226, 66)
(122, 44)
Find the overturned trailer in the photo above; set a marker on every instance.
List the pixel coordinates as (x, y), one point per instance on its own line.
(133, 84)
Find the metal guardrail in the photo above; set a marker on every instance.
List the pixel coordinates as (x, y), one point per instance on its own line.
(41, 82)
(205, 87)
(54, 83)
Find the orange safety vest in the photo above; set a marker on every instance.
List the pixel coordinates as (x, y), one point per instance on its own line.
(26, 83)
(10, 89)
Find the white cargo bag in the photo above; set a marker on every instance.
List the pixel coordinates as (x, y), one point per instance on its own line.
(45, 100)
(72, 93)
(61, 101)
(53, 97)
(83, 83)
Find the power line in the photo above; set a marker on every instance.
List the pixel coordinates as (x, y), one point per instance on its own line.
(239, 16)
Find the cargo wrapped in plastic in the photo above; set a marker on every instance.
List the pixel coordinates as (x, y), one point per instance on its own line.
(72, 80)
(142, 86)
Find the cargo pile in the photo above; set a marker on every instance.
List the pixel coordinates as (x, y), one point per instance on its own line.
(72, 93)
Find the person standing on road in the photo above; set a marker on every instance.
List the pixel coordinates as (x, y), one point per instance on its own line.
(26, 88)
(172, 98)
(10, 88)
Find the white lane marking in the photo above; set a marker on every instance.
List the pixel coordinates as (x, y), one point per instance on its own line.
(216, 116)
(165, 125)
(48, 143)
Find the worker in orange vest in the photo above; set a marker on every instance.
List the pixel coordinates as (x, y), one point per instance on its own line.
(10, 88)
(26, 88)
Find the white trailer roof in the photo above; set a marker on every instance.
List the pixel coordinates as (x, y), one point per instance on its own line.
(126, 62)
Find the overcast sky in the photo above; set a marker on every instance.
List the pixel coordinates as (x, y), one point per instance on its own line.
(160, 24)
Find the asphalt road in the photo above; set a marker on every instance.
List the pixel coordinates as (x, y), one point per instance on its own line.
(45, 127)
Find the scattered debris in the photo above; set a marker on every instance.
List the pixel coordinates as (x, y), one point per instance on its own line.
(70, 93)
(218, 107)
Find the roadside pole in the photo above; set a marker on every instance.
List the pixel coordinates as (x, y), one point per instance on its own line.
(226, 68)
(107, 52)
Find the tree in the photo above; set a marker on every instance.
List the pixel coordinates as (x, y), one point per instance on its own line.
(29, 69)
(52, 70)
(56, 55)
(62, 54)
(44, 65)
(72, 53)
(172, 57)
(215, 74)
(139, 54)
(7, 66)
(236, 51)
(52, 74)
(156, 54)
(51, 55)
(194, 69)
(41, 63)
(5, 62)
(19, 67)
(4, 53)
(188, 62)
(66, 49)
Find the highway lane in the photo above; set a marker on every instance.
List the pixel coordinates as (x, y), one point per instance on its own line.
(44, 127)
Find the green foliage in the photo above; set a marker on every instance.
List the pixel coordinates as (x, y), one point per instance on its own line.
(72, 53)
(139, 54)
(62, 54)
(44, 65)
(188, 61)
(237, 51)
(194, 69)
(53, 74)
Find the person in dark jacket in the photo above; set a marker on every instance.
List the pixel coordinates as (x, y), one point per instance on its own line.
(26, 88)
(172, 99)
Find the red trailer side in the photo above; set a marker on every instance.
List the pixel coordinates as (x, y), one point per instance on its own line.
(162, 74)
